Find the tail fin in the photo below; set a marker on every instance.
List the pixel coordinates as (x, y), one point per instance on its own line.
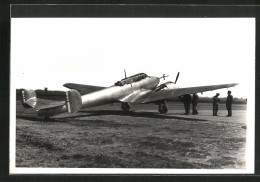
(73, 101)
(29, 98)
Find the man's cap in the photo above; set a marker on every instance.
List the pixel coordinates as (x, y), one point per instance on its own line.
(217, 93)
(229, 92)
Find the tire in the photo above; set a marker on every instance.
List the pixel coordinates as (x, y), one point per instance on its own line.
(125, 107)
(163, 109)
(47, 117)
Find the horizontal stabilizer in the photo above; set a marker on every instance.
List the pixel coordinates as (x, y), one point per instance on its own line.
(83, 89)
(51, 105)
(72, 104)
(73, 101)
(29, 98)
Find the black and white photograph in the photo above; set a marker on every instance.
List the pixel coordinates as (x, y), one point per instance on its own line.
(132, 95)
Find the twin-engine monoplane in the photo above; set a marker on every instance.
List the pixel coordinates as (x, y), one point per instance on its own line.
(139, 88)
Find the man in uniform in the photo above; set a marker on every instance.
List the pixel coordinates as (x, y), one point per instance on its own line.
(187, 102)
(195, 100)
(216, 100)
(229, 103)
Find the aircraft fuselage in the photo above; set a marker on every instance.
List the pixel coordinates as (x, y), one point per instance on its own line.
(114, 93)
(110, 94)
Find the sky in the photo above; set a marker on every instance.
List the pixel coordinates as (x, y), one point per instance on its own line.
(48, 52)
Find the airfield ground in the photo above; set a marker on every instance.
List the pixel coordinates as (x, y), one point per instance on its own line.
(105, 137)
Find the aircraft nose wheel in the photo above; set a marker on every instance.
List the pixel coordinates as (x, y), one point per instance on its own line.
(125, 106)
(163, 109)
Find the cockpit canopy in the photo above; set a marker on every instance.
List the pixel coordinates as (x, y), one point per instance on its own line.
(131, 79)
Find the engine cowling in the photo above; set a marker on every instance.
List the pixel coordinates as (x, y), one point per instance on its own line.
(166, 86)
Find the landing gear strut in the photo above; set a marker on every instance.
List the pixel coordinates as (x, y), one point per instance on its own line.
(47, 117)
(163, 107)
(125, 106)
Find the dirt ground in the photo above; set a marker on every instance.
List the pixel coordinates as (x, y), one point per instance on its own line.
(105, 137)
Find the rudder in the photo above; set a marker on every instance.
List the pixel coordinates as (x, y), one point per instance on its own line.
(73, 101)
(29, 98)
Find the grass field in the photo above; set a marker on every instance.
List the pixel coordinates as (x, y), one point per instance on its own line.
(105, 137)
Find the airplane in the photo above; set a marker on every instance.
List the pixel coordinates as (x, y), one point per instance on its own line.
(139, 88)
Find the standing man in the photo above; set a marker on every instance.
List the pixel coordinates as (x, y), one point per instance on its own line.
(195, 100)
(216, 100)
(187, 102)
(229, 103)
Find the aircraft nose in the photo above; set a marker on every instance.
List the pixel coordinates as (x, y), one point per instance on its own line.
(156, 80)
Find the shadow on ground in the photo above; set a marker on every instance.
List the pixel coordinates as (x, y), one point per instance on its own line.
(136, 114)
(83, 114)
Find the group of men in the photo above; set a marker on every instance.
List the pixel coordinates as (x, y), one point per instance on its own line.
(229, 102)
(187, 100)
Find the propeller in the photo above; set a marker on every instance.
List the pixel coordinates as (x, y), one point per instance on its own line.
(177, 78)
(164, 76)
(125, 73)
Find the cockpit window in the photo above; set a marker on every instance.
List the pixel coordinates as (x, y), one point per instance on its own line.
(131, 79)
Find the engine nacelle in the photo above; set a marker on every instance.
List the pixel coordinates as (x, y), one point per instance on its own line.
(166, 86)
(169, 85)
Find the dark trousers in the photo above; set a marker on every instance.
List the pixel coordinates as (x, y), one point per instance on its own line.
(187, 108)
(229, 110)
(194, 109)
(215, 109)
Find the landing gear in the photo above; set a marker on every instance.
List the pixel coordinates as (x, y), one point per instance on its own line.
(47, 117)
(163, 107)
(125, 106)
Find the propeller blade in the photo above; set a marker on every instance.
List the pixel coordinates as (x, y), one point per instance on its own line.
(177, 78)
(125, 73)
(164, 76)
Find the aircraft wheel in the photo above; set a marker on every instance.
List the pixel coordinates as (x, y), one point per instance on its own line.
(163, 109)
(125, 106)
(47, 117)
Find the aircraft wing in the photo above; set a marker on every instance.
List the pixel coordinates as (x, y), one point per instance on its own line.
(145, 96)
(166, 94)
(83, 89)
(138, 96)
